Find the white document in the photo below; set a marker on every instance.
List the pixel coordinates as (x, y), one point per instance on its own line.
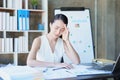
(85, 70)
(54, 73)
(11, 72)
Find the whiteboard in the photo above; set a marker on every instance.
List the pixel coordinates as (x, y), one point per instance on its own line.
(80, 33)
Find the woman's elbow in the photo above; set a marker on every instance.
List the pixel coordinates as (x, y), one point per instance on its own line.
(28, 63)
(77, 62)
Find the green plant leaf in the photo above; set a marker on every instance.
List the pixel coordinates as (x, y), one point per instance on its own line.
(34, 2)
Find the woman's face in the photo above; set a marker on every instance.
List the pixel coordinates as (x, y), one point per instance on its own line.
(57, 28)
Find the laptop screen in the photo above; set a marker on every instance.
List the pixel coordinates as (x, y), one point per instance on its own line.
(116, 67)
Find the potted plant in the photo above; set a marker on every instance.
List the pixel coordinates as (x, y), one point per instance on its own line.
(34, 4)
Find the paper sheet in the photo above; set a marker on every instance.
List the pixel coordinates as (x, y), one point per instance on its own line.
(11, 72)
(57, 73)
(85, 70)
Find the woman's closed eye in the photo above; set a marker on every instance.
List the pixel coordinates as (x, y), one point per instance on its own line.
(62, 30)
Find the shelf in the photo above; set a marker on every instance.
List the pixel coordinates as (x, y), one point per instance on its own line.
(36, 31)
(36, 11)
(14, 52)
(18, 42)
(6, 9)
(6, 52)
(1, 31)
(21, 52)
(31, 10)
(14, 31)
(24, 31)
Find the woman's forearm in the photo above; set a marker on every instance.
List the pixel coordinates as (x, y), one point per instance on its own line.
(36, 63)
(73, 55)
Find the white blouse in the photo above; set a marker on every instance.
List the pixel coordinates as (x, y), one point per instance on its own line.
(45, 53)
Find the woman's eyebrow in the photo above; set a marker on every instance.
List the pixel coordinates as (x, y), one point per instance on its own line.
(60, 27)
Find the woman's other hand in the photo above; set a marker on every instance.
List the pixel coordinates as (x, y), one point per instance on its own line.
(65, 34)
(64, 65)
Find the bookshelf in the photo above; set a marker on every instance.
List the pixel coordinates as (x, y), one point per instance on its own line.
(17, 41)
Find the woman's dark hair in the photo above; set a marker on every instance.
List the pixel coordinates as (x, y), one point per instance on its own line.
(60, 17)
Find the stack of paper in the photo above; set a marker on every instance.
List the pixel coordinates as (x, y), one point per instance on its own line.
(11, 72)
(103, 61)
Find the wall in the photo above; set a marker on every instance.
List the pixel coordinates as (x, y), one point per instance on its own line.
(117, 27)
(106, 29)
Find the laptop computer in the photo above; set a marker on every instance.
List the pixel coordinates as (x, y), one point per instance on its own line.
(115, 68)
(94, 69)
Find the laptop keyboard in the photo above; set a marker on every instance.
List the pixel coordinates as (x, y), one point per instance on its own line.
(102, 67)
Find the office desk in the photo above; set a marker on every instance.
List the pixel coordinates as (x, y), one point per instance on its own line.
(61, 71)
(94, 77)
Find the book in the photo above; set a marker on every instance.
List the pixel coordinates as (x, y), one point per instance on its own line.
(103, 61)
(19, 19)
(27, 14)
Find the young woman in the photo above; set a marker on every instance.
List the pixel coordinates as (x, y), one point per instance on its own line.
(47, 50)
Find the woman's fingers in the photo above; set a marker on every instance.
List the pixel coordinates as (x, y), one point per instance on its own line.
(67, 66)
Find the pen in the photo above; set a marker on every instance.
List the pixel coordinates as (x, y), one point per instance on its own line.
(69, 72)
(57, 68)
(45, 70)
